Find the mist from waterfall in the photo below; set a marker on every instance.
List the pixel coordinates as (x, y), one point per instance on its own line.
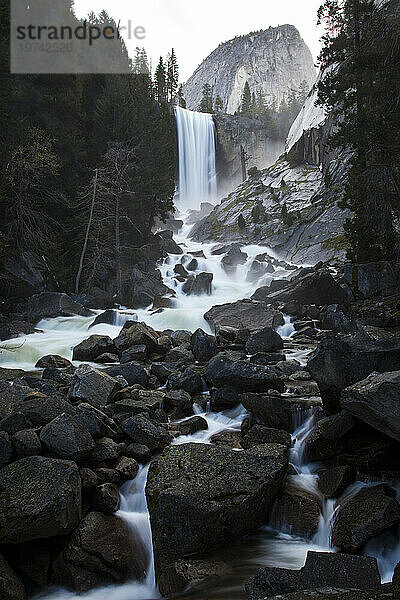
(196, 147)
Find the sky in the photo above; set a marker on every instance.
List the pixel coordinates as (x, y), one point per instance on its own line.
(195, 29)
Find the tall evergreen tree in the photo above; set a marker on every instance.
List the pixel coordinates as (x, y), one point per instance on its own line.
(160, 82)
(172, 76)
(361, 88)
(207, 103)
(246, 104)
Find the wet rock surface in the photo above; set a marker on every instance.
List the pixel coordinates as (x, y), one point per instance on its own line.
(215, 495)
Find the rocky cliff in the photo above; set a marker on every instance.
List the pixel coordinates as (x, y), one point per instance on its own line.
(252, 134)
(289, 206)
(275, 61)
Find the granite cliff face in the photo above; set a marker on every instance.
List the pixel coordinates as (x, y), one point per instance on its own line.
(275, 61)
(288, 206)
(250, 133)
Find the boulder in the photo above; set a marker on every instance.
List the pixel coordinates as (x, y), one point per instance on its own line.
(132, 372)
(139, 452)
(199, 285)
(143, 287)
(102, 551)
(227, 439)
(14, 329)
(318, 288)
(11, 587)
(201, 496)
(66, 438)
(192, 425)
(233, 258)
(92, 386)
(262, 293)
(141, 431)
(49, 305)
(6, 449)
(188, 572)
(338, 319)
(108, 317)
(277, 412)
(93, 347)
(106, 499)
(220, 371)
(259, 434)
(179, 399)
(373, 279)
(296, 511)
(26, 443)
(267, 358)
(322, 570)
(39, 409)
(367, 513)
(128, 468)
(243, 315)
(204, 346)
(339, 362)
(193, 265)
(189, 380)
(224, 398)
(134, 354)
(334, 481)
(105, 450)
(39, 498)
(376, 401)
(265, 340)
(137, 334)
(15, 422)
(167, 242)
(92, 420)
(52, 361)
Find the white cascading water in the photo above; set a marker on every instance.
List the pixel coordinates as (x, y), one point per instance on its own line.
(196, 149)
(265, 547)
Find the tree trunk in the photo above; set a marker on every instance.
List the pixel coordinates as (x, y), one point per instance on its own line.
(118, 246)
(78, 277)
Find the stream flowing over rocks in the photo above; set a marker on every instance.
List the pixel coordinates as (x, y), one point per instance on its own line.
(232, 434)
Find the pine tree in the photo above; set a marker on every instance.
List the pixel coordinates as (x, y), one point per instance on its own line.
(246, 104)
(361, 88)
(219, 104)
(181, 98)
(172, 76)
(160, 82)
(207, 104)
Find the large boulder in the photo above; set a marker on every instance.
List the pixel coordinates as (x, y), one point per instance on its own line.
(204, 346)
(275, 411)
(141, 431)
(244, 315)
(333, 482)
(296, 511)
(6, 449)
(39, 498)
(364, 515)
(53, 361)
(48, 305)
(39, 409)
(143, 287)
(221, 371)
(102, 551)
(322, 570)
(137, 334)
(132, 372)
(265, 340)
(339, 362)
(92, 386)
(373, 279)
(66, 438)
(317, 288)
(233, 258)
(11, 587)
(201, 496)
(199, 285)
(93, 347)
(376, 401)
(338, 319)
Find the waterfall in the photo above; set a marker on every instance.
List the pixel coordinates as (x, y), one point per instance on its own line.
(196, 147)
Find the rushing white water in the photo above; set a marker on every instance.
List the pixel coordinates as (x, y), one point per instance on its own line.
(196, 145)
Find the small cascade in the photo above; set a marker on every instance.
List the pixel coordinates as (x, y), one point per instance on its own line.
(196, 147)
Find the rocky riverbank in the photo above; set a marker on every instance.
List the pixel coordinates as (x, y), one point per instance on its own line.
(74, 431)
